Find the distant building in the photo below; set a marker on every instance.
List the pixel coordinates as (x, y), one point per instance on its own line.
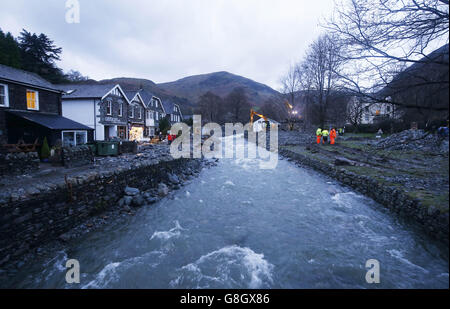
(31, 109)
(103, 108)
(172, 111)
(154, 112)
(136, 115)
(260, 124)
(368, 111)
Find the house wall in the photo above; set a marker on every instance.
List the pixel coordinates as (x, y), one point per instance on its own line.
(81, 111)
(93, 113)
(49, 102)
(114, 118)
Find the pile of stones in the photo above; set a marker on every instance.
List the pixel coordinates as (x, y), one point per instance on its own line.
(414, 140)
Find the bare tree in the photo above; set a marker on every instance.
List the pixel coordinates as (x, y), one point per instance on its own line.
(237, 106)
(384, 37)
(320, 70)
(210, 106)
(291, 84)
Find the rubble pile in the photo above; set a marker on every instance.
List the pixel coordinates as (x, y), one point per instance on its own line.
(414, 140)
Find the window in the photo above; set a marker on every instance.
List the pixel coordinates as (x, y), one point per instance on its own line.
(139, 112)
(131, 111)
(109, 108)
(115, 91)
(120, 109)
(4, 98)
(122, 132)
(32, 100)
(74, 138)
(388, 109)
(157, 116)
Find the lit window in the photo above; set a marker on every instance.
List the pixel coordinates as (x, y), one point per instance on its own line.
(4, 100)
(32, 99)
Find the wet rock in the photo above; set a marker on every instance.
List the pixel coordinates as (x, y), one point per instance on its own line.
(64, 237)
(163, 190)
(173, 178)
(132, 191)
(341, 161)
(152, 199)
(127, 200)
(138, 200)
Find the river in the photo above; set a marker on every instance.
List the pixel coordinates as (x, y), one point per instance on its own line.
(239, 226)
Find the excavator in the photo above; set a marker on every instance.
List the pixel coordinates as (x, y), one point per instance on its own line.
(253, 113)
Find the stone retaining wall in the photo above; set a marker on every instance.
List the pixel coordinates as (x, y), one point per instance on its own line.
(128, 147)
(430, 219)
(27, 223)
(77, 156)
(18, 163)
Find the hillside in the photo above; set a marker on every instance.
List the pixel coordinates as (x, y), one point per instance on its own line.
(219, 83)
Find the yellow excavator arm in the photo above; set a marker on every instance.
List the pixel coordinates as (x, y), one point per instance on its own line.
(252, 113)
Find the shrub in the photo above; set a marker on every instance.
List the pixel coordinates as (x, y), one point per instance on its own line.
(45, 150)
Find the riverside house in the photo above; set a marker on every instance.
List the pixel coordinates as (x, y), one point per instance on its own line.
(31, 110)
(173, 112)
(104, 108)
(136, 115)
(153, 113)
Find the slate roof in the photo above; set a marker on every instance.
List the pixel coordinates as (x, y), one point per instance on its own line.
(168, 106)
(54, 122)
(130, 94)
(31, 79)
(146, 96)
(85, 91)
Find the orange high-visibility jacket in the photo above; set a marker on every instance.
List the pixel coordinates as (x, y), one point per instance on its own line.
(333, 133)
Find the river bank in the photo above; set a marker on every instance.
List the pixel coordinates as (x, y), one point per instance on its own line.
(36, 210)
(413, 184)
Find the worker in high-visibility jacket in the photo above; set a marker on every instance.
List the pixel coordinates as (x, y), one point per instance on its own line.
(325, 134)
(332, 136)
(319, 135)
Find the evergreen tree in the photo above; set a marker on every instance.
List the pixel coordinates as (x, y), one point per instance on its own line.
(39, 55)
(164, 126)
(45, 149)
(10, 53)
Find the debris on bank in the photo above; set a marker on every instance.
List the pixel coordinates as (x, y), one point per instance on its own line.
(414, 140)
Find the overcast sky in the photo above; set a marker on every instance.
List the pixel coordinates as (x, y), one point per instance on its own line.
(166, 40)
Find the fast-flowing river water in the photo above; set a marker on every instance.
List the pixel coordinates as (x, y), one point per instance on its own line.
(238, 226)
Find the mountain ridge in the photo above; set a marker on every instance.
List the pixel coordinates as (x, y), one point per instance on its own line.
(186, 91)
